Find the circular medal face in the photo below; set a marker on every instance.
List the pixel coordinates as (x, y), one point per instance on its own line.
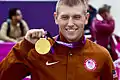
(42, 46)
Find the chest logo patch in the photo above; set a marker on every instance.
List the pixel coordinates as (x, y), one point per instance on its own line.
(90, 64)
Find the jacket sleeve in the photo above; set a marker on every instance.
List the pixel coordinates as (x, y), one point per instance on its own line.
(105, 25)
(13, 66)
(108, 71)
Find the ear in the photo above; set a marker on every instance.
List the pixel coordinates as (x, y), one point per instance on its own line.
(87, 17)
(55, 17)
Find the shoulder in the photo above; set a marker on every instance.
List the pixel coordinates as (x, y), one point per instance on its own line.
(97, 52)
(23, 22)
(4, 25)
(97, 49)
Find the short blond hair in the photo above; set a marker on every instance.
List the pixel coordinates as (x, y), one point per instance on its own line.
(72, 3)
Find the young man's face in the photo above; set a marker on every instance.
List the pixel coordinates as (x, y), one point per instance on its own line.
(18, 16)
(71, 21)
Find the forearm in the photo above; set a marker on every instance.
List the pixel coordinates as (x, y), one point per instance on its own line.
(9, 39)
(20, 38)
(6, 38)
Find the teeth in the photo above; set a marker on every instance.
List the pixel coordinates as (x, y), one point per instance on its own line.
(71, 30)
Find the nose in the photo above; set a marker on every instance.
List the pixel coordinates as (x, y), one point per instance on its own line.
(70, 22)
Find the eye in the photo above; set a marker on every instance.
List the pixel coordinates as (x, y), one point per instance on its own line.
(65, 17)
(76, 17)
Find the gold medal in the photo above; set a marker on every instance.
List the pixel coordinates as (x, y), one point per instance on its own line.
(42, 46)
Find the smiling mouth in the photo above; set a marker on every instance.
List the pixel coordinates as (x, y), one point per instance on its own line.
(71, 30)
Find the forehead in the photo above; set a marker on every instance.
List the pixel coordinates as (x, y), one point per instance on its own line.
(78, 9)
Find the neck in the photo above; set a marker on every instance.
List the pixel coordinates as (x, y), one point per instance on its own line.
(72, 44)
(62, 38)
(70, 41)
(14, 22)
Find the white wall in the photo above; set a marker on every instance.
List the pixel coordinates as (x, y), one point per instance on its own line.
(115, 11)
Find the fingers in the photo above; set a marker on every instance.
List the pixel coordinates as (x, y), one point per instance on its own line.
(36, 33)
(39, 34)
(43, 33)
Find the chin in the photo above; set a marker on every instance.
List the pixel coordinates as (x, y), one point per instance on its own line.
(71, 38)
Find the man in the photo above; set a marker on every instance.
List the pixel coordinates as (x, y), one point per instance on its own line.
(72, 57)
(15, 28)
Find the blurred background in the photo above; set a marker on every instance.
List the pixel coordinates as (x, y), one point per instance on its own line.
(39, 13)
(115, 5)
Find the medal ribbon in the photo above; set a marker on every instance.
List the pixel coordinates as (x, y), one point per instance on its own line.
(70, 45)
